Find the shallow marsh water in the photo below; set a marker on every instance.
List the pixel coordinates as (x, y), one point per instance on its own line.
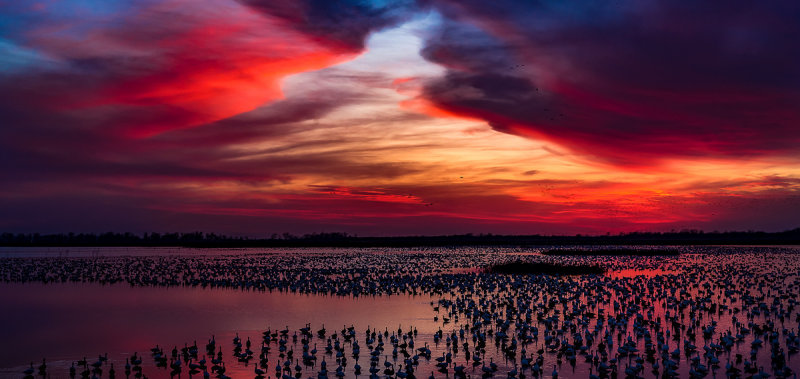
(125, 300)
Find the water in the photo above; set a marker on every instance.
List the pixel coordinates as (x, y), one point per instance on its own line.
(125, 300)
(95, 252)
(68, 321)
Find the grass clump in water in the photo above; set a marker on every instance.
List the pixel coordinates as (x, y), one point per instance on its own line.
(539, 268)
(613, 252)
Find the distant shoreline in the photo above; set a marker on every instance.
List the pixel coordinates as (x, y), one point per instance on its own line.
(210, 240)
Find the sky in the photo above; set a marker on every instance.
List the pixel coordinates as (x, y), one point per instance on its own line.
(407, 117)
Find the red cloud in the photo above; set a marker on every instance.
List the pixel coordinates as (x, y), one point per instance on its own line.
(171, 66)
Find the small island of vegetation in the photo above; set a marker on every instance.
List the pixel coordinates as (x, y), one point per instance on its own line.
(613, 252)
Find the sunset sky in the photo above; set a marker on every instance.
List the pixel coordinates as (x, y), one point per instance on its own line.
(381, 117)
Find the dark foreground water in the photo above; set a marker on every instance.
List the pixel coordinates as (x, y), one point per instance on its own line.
(710, 311)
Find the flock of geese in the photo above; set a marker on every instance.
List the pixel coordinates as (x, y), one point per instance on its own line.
(706, 312)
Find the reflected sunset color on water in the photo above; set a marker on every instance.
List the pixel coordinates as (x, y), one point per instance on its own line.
(707, 310)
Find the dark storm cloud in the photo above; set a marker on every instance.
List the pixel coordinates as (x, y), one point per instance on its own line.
(630, 82)
(342, 23)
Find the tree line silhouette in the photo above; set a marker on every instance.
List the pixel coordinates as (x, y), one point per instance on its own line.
(211, 240)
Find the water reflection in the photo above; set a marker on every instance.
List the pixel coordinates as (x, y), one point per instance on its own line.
(632, 273)
(708, 311)
(67, 321)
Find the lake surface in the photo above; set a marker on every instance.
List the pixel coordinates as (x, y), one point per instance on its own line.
(68, 305)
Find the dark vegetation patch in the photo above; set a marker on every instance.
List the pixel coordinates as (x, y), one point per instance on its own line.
(614, 252)
(212, 240)
(518, 268)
